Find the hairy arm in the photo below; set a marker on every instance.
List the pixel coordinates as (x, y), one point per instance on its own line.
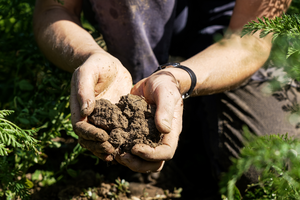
(59, 33)
(220, 67)
(227, 63)
(96, 74)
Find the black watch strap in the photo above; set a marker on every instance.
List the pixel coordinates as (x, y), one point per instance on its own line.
(188, 70)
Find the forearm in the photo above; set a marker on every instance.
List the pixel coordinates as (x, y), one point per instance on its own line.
(225, 64)
(61, 38)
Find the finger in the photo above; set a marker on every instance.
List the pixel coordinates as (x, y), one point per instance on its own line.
(139, 165)
(166, 97)
(104, 157)
(165, 111)
(97, 147)
(162, 152)
(74, 104)
(90, 132)
(85, 82)
(169, 141)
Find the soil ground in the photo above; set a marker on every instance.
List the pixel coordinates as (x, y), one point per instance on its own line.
(100, 179)
(189, 170)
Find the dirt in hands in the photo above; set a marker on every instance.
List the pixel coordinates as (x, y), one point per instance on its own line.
(128, 122)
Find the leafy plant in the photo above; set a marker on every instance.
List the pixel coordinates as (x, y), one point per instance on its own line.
(12, 135)
(121, 187)
(286, 46)
(14, 140)
(91, 193)
(275, 157)
(38, 93)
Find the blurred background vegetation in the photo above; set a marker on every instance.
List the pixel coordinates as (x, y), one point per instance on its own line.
(275, 157)
(38, 94)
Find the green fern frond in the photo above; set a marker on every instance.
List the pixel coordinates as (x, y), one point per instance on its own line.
(13, 136)
(291, 51)
(14, 187)
(3, 150)
(4, 113)
(276, 158)
(287, 25)
(286, 41)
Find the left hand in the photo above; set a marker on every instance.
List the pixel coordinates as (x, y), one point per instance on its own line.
(161, 89)
(101, 76)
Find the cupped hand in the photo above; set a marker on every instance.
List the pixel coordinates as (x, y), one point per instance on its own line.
(161, 89)
(100, 76)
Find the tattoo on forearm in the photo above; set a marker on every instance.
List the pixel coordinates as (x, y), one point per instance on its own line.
(273, 8)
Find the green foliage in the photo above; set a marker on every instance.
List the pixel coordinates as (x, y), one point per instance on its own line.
(286, 25)
(12, 135)
(30, 85)
(287, 28)
(14, 140)
(122, 186)
(91, 193)
(286, 46)
(276, 158)
(294, 8)
(14, 187)
(71, 159)
(38, 93)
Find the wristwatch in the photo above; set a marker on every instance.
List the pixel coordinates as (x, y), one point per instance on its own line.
(188, 70)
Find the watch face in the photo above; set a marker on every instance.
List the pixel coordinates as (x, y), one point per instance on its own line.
(167, 65)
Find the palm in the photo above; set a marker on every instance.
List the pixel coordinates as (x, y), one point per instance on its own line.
(119, 86)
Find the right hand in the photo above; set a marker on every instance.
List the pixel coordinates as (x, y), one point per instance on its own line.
(163, 90)
(100, 76)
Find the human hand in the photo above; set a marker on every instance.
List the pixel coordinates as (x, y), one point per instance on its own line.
(161, 89)
(101, 76)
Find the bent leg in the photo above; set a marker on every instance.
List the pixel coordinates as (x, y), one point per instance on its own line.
(262, 114)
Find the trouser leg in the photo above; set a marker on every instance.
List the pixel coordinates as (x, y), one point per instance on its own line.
(262, 114)
(213, 126)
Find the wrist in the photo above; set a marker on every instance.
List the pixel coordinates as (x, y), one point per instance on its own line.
(184, 76)
(103, 61)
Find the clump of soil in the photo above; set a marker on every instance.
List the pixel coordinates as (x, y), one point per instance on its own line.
(128, 122)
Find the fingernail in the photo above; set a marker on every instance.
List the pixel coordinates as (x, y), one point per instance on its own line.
(109, 158)
(84, 108)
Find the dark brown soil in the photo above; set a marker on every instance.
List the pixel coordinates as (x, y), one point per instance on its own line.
(129, 122)
(189, 170)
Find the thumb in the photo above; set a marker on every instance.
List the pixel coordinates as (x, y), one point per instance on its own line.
(84, 84)
(166, 98)
(138, 88)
